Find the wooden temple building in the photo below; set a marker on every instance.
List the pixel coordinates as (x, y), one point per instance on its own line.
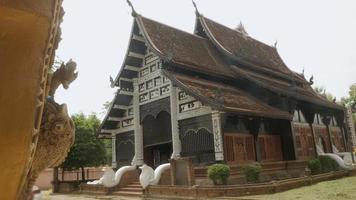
(217, 95)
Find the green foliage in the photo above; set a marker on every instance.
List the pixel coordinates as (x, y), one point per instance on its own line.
(314, 166)
(351, 100)
(322, 91)
(328, 164)
(87, 151)
(252, 172)
(219, 173)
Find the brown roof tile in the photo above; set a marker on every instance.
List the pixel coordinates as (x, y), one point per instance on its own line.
(245, 48)
(184, 48)
(305, 93)
(225, 97)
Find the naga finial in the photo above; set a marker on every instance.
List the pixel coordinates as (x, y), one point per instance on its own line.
(133, 11)
(275, 44)
(241, 29)
(196, 7)
(311, 80)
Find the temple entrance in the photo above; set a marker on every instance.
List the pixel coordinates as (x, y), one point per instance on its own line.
(157, 139)
(157, 154)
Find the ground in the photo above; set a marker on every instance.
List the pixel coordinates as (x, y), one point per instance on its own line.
(341, 189)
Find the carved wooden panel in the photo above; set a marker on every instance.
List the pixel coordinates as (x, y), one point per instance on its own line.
(321, 132)
(154, 108)
(198, 143)
(337, 139)
(238, 148)
(304, 141)
(270, 147)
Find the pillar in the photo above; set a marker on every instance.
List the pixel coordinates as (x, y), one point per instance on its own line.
(176, 143)
(138, 158)
(113, 151)
(218, 138)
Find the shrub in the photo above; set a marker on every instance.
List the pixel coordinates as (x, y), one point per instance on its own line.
(328, 164)
(252, 172)
(219, 173)
(314, 165)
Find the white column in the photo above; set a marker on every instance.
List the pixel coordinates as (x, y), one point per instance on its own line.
(138, 158)
(113, 151)
(174, 122)
(218, 138)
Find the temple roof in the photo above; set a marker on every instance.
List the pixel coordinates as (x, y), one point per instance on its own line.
(185, 49)
(304, 92)
(225, 97)
(244, 49)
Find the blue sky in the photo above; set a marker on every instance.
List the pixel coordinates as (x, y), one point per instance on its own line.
(319, 36)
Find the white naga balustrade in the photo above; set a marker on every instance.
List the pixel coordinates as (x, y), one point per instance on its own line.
(110, 178)
(149, 176)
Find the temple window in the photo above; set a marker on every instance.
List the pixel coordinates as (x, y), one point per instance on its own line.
(165, 80)
(149, 84)
(189, 106)
(158, 81)
(153, 68)
(130, 111)
(182, 95)
(143, 97)
(165, 89)
(154, 93)
(127, 122)
(144, 72)
(141, 87)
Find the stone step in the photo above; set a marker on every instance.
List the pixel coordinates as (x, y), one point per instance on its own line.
(132, 188)
(128, 193)
(134, 185)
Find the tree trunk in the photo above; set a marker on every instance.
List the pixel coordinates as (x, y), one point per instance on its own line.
(62, 174)
(83, 174)
(55, 180)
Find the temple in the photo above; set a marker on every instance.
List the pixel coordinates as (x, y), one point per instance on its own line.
(216, 95)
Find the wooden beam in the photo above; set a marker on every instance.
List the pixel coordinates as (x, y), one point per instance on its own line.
(117, 131)
(132, 68)
(123, 92)
(121, 107)
(116, 119)
(138, 38)
(136, 55)
(125, 79)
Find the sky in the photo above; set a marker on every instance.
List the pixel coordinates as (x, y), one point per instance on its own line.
(318, 36)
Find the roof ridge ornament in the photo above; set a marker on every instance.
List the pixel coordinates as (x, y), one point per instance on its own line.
(133, 11)
(196, 8)
(241, 28)
(311, 80)
(275, 44)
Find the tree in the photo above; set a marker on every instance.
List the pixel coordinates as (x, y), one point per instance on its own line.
(87, 151)
(322, 91)
(351, 100)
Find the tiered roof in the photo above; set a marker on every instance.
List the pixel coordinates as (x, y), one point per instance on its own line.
(224, 57)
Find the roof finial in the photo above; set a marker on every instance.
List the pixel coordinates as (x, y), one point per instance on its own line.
(275, 44)
(133, 12)
(196, 7)
(311, 80)
(241, 28)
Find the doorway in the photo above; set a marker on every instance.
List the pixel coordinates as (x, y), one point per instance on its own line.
(157, 139)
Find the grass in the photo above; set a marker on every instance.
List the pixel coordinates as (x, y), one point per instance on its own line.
(341, 189)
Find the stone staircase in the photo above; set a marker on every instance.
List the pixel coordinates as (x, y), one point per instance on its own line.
(134, 189)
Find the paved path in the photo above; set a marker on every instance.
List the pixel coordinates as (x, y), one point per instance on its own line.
(85, 197)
